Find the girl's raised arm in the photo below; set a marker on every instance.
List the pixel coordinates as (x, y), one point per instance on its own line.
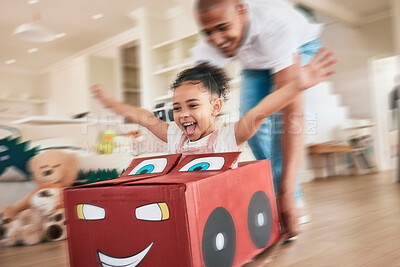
(137, 115)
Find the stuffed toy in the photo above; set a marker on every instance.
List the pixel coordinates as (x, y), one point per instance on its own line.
(107, 143)
(128, 143)
(50, 204)
(52, 170)
(136, 135)
(25, 229)
(32, 225)
(54, 228)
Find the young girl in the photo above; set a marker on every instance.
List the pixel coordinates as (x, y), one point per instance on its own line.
(198, 99)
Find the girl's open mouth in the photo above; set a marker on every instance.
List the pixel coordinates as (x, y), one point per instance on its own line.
(190, 127)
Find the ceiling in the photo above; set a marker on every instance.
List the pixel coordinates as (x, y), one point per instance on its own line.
(74, 17)
(366, 8)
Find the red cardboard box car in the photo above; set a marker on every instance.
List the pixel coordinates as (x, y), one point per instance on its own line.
(166, 212)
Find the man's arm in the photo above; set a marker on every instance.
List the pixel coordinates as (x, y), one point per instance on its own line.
(248, 125)
(292, 147)
(294, 79)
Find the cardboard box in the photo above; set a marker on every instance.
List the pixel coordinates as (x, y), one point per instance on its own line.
(197, 212)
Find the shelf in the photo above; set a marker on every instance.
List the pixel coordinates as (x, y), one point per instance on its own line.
(132, 90)
(25, 101)
(360, 127)
(11, 117)
(169, 42)
(172, 68)
(131, 75)
(48, 120)
(163, 98)
(130, 66)
(43, 120)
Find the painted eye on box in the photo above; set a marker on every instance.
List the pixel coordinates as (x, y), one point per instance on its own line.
(204, 164)
(150, 166)
(90, 212)
(153, 212)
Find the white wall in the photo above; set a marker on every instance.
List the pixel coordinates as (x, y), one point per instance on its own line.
(102, 70)
(67, 81)
(14, 84)
(395, 12)
(383, 72)
(355, 46)
(68, 88)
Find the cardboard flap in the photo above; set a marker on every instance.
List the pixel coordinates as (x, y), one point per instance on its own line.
(207, 162)
(142, 168)
(151, 166)
(174, 178)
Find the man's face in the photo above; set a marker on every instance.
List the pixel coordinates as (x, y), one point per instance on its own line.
(223, 26)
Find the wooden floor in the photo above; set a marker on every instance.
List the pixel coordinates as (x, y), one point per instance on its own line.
(355, 222)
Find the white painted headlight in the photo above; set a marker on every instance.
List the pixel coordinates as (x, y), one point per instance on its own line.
(153, 212)
(90, 212)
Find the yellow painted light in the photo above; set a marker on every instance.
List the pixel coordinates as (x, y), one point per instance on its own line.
(79, 211)
(164, 210)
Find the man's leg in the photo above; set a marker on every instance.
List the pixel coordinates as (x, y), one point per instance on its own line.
(307, 52)
(266, 143)
(257, 84)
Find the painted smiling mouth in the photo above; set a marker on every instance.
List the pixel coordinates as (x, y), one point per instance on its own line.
(131, 261)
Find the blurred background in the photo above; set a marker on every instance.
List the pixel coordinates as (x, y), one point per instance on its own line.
(135, 48)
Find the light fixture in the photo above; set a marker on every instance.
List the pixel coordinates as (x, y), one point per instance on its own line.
(33, 50)
(60, 35)
(11, 61)
(97, 16)
(32, 2)
(34, 31)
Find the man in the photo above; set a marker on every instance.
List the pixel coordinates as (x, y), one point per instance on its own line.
(263, 35)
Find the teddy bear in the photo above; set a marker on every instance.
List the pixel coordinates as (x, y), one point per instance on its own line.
(55, 228)
(52, 170)
(50, 204)
(31, 226)
(25, 229)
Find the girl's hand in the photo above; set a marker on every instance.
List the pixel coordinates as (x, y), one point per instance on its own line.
(102, 95)
(316, 71)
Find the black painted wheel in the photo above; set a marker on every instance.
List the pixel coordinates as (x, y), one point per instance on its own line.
(259, 219)
(219, 239)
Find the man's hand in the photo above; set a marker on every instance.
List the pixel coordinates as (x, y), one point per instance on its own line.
(288, 213)
(317, 70)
